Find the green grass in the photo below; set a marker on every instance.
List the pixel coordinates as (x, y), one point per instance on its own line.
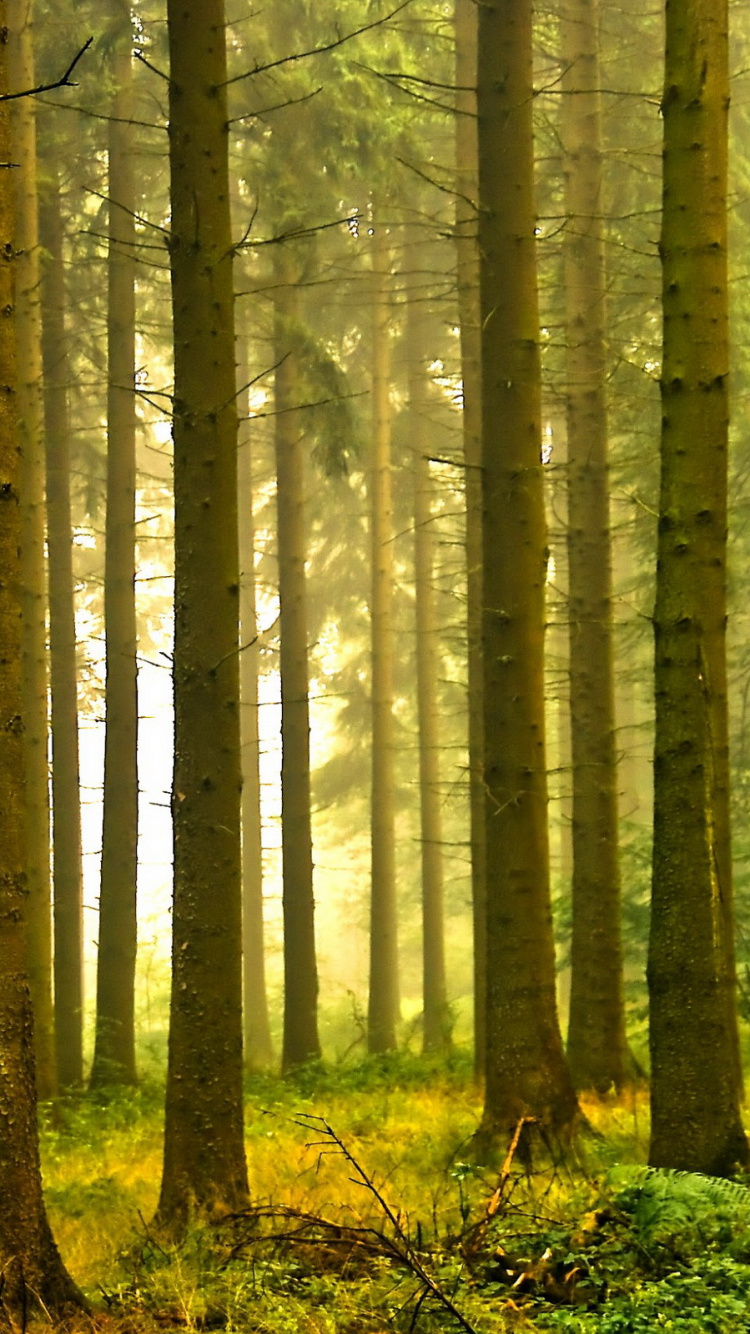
(591, 1241)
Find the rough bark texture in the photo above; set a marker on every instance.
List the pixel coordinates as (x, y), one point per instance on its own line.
(256, 1026)
(526, 1072)
(114, 1048)
(696, 1122)
(467, 256)
(596, 1030)
(66, 807)
(33, 1272)
(383, 1005)
(437, 1027)
(204, 1159)
(300, 1042)
(31, 439)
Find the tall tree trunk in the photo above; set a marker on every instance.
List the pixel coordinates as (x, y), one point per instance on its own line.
(526, 1072)
(114, 1048)
(383, 1005)
(465, 22)
(256, 1026)
(696, 1122)
(596, 1031)
(301, 1042)
(33, 1273)
(204, 1157)
(66, 807)
(434, 990)
(31, 439)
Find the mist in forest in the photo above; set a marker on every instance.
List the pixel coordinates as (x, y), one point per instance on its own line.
(373, 666)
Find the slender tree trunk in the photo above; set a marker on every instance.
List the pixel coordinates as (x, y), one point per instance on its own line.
(383, 1006)
(526, 1074)
(596, 1031)
(435, 998)
(256, 1026)
(66, 808)
(114, 1049)
(468, 305)
(33, 1273)
(31, 439)
(204, 1157)
(696, 1123)
(301, 1042)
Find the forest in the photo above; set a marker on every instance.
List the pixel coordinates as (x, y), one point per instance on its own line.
(374, 666)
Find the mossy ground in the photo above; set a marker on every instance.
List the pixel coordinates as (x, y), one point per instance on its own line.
(573, 1246)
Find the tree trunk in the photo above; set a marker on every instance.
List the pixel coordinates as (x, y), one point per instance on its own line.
(301, 1042)
(66, 808)
(33, 1273)
(696, 1122)
(256, 1027)
(467, 256)
(383, 1005)
(31, 439)
(437, 1027)
(204, 1157)
(526, 1074)
(596, 1031)
(114, 1049)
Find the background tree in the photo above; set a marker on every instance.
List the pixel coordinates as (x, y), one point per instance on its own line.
(114, 1050)
(301, 1042)
(383, 1005)
(66, 808)
(596, 1032)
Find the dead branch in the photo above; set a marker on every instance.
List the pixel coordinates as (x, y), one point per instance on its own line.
(64, 81)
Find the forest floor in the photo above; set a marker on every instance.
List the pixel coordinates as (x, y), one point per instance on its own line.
(370, 1214)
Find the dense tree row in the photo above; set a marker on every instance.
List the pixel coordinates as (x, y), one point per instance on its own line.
(406, 301)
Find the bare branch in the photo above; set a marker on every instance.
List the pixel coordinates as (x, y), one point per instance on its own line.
(64, 82)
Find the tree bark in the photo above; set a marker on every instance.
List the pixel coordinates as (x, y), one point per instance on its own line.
(696, 1123)
(66, 808)
(383, 1005)
(437, 1026)
(526, 1074)
(596, 1031)
(467, 257)
(31, 439)
(300, 1042)
(33, 1273)
(204, 1158)
(114, 1048)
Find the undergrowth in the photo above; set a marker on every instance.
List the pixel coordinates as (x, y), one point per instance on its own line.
(370, 1214)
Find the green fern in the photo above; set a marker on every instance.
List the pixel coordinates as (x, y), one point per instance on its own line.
(664, 1200)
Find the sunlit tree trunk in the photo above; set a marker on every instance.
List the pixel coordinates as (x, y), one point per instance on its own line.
(383, 1006)
(434, 990)
(467, 255)
(526, 1072)
(256, 1027)
(31, 439)
(204, 1158)
(114, 1049)
(33, 1273)
(66, 809)
(596, 1031)
(696, 1122)
(301, 1041)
